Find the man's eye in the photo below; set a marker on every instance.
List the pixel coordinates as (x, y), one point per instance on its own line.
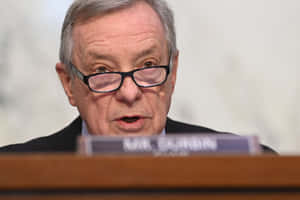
(101, 70)
(149, 64)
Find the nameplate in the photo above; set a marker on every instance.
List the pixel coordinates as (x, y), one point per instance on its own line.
(183, 144)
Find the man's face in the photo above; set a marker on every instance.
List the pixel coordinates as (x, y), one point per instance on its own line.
(121, 41)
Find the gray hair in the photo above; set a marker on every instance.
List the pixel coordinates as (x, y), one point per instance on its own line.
(83, 10)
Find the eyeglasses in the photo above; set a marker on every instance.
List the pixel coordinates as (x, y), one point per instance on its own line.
(111, 81)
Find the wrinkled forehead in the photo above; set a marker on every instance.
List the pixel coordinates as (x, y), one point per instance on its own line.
(139, 13)
(127, 23)
(139, 10)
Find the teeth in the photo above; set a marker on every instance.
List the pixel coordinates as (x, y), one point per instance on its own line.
(130, 119)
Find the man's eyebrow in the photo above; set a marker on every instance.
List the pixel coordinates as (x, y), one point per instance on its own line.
(96, 55)
(146, 52)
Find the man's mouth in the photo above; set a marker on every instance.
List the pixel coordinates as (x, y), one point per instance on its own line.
(130, 119)
(131, 123)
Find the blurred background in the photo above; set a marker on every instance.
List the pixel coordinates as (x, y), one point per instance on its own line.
(238, 71)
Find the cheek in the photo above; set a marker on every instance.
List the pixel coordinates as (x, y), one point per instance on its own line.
(90, 105)
(160, 103)
(79, 93)
(166, 91)
(167, 94)
(163, 99)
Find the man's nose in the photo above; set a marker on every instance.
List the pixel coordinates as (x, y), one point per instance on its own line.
(129, 91)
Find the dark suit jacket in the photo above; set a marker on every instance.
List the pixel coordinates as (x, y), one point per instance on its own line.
(66, 139)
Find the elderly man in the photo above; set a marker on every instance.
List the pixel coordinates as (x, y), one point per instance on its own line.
(118, 64)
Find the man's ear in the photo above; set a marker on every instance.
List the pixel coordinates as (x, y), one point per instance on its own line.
(66, 81)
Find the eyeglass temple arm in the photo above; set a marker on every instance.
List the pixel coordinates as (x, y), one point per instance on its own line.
(76, 72)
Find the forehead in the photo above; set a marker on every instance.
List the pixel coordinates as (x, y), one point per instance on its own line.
(138, 23)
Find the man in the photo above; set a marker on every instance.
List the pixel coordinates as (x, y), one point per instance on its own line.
(118, 64)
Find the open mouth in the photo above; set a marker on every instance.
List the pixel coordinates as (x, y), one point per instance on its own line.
(131, 123)
(130, 119)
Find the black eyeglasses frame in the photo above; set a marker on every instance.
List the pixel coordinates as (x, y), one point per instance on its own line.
(85, 79)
